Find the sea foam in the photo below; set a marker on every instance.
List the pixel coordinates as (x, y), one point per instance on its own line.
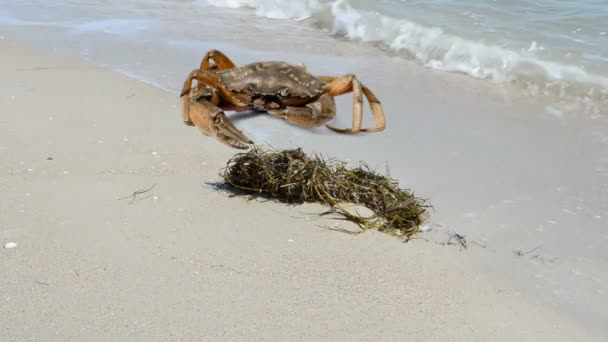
(435, 48)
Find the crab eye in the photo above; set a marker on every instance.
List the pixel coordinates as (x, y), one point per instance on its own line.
(284, 92)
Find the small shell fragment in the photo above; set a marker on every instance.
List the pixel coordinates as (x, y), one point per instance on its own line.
(10, 245)
(425, 228)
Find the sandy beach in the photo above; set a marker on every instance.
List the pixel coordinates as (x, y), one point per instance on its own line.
(190, 263)
(185, 262)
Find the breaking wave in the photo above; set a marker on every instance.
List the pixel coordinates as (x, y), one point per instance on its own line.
(435, 48)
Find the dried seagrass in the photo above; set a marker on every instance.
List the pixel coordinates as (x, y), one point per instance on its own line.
(291, 176)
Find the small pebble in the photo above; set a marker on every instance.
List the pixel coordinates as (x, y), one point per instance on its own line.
(50, 158)
(66, 172)
(154, 153)
(10, 245)
(290, 240)
(155, 198)
(30, 170)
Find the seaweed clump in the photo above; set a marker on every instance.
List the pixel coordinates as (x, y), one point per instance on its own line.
(291, 176)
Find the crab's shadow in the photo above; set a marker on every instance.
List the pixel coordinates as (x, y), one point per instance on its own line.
(241, 116)
(237, 117)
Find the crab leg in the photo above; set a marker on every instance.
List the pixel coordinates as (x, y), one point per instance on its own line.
(188, 94)
(222, 62)
(377, 111)
(350, 83)
(207, 116)
(212, 80)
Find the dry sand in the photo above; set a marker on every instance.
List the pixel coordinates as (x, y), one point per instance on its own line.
(184, 262)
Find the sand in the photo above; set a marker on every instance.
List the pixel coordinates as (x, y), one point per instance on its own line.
(184, 262)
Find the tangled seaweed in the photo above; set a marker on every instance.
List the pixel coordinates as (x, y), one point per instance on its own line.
(293, 177)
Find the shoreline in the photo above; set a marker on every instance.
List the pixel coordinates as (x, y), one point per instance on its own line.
(158, 269)
(553, 76)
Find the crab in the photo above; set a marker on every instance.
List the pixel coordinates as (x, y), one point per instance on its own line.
(283, 90)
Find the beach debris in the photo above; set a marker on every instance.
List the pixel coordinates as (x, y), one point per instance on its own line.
(33, 69)
(291, 176)
(520, 252)
(425, 228)
(134, 195)
(283, 90)
(10, 245)
(457, 239)
(536, 257)
(454, 239)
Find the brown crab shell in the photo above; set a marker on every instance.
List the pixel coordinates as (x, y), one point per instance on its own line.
(272, 78)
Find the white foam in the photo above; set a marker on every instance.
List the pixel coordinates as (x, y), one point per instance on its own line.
(437, 49)
(275, 9)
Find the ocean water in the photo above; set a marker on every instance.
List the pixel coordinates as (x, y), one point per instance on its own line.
(549, 48)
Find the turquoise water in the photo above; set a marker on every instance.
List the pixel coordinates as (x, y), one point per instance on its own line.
(552, 48)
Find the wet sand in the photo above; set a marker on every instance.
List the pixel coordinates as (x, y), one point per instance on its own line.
(185, 262)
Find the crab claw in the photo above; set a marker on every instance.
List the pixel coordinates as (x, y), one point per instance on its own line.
(228, 134)
(212, 121)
